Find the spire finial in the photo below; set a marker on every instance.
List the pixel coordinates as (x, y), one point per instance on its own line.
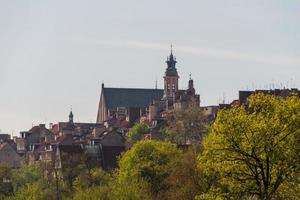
(156, 84)
(190, 76)
(171, 48)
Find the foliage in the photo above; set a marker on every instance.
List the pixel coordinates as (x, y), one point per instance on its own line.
(130, 189)
(26, 174)
(254, 149)
(148, 163)
(30, 183)
(137, 132)
(71, 166)
(38, 190)
(92, 177)
(186, 125)
(6, 188)
(93, 184)
(186, 180)
(93, 193)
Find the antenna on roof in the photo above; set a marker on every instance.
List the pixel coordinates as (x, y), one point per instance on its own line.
(292, 85)
(224, 98)
(156, 84)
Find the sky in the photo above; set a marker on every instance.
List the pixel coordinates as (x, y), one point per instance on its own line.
(54, 54)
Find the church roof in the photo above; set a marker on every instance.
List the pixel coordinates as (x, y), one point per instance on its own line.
(130, 97)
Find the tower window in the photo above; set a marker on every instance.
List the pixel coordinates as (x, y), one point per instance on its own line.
(173, 86)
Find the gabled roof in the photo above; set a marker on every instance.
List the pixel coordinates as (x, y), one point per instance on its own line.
(112, 138)
(130, 97)
(8, 156)
(63, 141)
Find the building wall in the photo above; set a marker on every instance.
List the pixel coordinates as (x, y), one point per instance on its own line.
(102, 110)
(21, 145)
(170, 86)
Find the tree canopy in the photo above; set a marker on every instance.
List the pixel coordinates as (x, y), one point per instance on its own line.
(186, 125)
(137, 132)
(148, 162)
(254, 149)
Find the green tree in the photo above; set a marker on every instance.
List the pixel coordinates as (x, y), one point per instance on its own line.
(148, 163)
(93, 193)
(254, 149)
(130, 189)
(30, 182)
(186, 125)
(186, 180)
(26, 174)
(6, 188)
(92, 184)
(137, 132)
(38, 190)
(72, 164)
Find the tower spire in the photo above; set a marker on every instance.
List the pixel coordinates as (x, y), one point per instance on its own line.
(71, 116)
(171, 78)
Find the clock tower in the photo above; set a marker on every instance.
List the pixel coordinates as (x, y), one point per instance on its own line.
(170, 79)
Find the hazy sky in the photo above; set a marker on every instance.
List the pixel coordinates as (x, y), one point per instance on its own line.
(56, 53)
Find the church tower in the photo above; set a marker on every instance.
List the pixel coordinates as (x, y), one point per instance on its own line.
(71, 117)
(170, 79)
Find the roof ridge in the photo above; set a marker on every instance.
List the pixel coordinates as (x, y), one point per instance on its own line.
(132, 88)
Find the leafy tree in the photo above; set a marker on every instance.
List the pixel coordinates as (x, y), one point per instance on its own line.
(94, 177)
(254, 149)
(93, 193)
(30, 182)
(38, 190)
(186, 180)
(148, 162)
(26, 174)
(72, 164)
(6, 188)
(92, 185)
(130, 189)
(186, 125)
(137, 132)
